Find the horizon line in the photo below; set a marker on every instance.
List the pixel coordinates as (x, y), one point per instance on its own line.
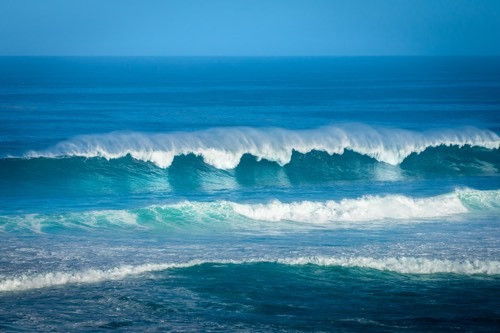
(260, 56)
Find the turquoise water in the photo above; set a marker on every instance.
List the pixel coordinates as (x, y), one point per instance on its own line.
(249, 194)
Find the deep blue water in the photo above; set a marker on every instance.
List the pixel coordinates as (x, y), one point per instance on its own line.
(250, 194)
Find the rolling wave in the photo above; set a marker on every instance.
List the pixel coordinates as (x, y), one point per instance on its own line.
(372, 208)
(223, 148)
(77, 174)
(403, 265)
(363, 212)
(368, 208)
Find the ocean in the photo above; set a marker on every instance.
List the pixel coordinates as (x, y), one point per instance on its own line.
(335, 194)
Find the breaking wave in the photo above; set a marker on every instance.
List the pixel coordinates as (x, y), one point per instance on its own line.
(190, 172)
(361, 212)
(403, 265)
(223, 148)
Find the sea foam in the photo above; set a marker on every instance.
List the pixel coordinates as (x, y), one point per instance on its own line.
(224, 147)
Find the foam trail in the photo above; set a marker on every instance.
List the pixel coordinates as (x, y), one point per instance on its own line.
(224, 147)
(404, 265)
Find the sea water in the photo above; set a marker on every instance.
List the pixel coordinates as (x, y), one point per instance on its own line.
(250, 194)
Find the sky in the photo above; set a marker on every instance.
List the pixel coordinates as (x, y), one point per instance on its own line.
(249, 27)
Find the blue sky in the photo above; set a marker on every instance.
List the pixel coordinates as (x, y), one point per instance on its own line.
(249, 27)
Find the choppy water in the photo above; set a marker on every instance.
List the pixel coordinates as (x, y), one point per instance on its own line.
(249, 194)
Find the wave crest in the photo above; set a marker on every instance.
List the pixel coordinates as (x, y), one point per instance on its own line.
(223, 148)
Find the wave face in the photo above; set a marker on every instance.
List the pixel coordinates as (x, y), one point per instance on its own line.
(361, 213)
(189, 171)
(403, 265)
(223, 148)
(72, 177)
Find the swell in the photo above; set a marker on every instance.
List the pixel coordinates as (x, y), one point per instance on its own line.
(403, 265)
(363, 212)
(223, 148)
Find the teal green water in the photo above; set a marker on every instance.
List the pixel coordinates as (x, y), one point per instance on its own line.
(249, 194)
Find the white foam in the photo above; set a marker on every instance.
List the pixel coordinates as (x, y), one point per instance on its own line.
(404, 265)
(367, 208)
(52, 279)
(224, 147)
